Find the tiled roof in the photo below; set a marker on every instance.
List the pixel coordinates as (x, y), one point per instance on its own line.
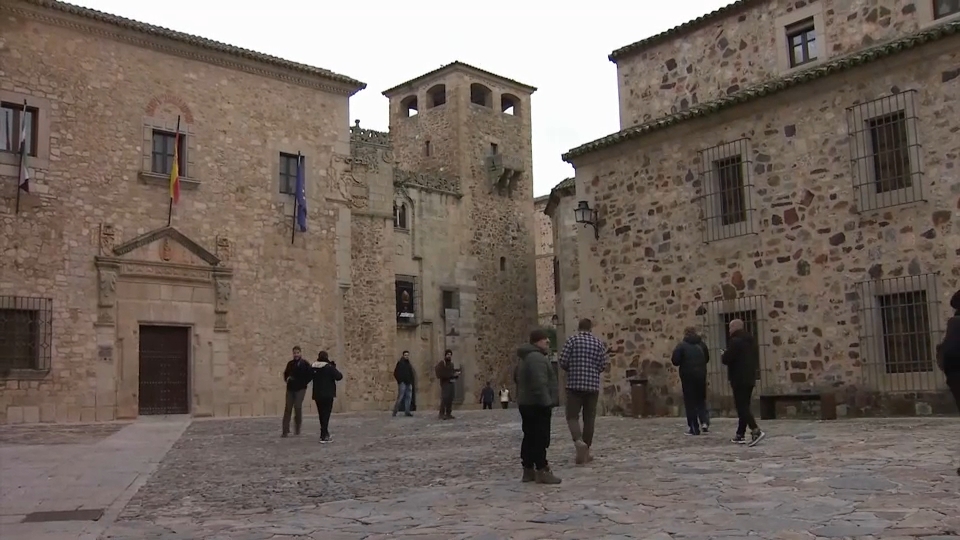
(775, 86)
(196, 41)
(458, 64)
(676, 31)
(566, 186)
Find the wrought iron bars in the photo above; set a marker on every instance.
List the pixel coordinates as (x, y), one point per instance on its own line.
(716, 316)
(26, 333)
(727, 198)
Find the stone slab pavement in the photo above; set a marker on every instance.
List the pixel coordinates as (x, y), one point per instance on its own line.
(60, 468)
(425, 479)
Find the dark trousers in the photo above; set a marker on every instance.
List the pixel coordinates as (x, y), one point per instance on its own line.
(535, 420)
(487, 405)
(324, 408)
(294, 404)
(742, 395)
(505, 404)
(953, 381)
(446, 398)
(577, 401)
(695, 402)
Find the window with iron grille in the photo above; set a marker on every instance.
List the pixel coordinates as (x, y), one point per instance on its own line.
(899, 332)
(945, 8)
(727, 190)
(802, 42)
(13, 120)
(161, 161)
(407, 300)
(26, 332)
(885, 151)
(288, 173)
(716, 316)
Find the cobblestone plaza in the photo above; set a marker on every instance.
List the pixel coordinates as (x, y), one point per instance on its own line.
(385, 477)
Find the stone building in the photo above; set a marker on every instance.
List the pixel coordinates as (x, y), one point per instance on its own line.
(543, 233)
(114, 303)
(793, 164)
(559, 211)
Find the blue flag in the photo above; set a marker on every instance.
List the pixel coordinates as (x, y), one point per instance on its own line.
(301, 196)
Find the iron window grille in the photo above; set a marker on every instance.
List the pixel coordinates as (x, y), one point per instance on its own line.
(26, 333)
(802, 43)
(725, 174)
(408, 300)
(161, 156)
(885, 152)
(288, 173)
(899, 332)
(945, 8)
(716, 316)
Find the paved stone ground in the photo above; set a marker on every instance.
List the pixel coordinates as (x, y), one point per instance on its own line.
(423, 479)
(420, 478)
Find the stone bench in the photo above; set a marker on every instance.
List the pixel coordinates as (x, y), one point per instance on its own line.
(828, 404)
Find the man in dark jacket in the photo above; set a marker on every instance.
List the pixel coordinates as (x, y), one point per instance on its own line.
(742, 359)
(537, 394)
(403, 374)
(297, 375)
(948, 353)
(447, 373)
(325, 377)
(691, 357)
(486, 396)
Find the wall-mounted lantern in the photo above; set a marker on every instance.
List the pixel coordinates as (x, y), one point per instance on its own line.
(587, 216)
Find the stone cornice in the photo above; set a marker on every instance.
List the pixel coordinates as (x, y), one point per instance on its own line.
(180, 44)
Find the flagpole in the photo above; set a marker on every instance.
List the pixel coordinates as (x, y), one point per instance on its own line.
(23, 151)
(176, 153)
(296, 200)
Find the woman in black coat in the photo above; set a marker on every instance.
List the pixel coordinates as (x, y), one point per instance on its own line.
(325, 377)
(948, 353)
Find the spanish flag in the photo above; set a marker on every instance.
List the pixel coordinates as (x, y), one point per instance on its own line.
(175, 170)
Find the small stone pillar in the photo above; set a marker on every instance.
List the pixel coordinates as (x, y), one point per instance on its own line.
(638, 397)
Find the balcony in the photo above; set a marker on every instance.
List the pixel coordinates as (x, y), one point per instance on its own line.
(503, 171)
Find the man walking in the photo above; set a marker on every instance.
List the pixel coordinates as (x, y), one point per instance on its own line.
(447, 373)
(948, 352)
(325, 377)
(584, 358)
(297, 375)
(691, 357)
(537, 395)
(742, 360)
(403, 373)
(486, 396)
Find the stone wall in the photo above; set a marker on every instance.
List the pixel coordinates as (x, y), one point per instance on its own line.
(566, 232)
(543, 231)
(743, 49)
(97, 98)
(814, 257)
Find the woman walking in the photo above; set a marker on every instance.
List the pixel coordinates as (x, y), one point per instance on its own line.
(325, 377)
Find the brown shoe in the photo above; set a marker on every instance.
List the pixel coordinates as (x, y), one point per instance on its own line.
(546, 476)
(529, 475)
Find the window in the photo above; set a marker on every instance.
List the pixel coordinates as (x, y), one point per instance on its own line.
(426, 148)
(945, 8)
(802, 42)
(450, 299)
(715, 324)
(494, 149)
(408, 106)
(885, 151)
(750, 324)
(510, 104)
(436, 96)
(727, 192)
(25, 333)
(11, 117)
(406, 300)
(400, 215)
(905, 319)
(729, 172)
(481, 95)
(288, 173)
(556, 276)
(503, 263)
(163, 152)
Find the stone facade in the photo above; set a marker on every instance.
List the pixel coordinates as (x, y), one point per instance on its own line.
(743, 45)
(820, 250)
(543, 233)
(92, 240)
(559, 210)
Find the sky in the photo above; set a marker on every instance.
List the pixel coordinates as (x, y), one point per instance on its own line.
(560, 47)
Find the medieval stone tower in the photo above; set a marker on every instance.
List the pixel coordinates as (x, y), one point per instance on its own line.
(466, 123)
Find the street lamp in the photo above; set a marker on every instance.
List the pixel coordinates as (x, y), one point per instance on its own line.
(587, 216)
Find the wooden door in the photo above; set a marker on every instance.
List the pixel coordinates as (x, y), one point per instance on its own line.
(164, 370)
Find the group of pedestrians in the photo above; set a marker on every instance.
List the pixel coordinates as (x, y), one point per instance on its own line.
(298, 374)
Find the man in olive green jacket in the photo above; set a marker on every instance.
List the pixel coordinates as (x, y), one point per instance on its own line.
(537, 394)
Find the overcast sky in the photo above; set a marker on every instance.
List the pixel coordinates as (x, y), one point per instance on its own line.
(560, 47)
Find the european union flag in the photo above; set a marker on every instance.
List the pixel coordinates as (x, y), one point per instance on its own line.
(301, 196)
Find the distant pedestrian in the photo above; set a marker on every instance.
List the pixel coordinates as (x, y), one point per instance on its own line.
(691, 358)
(537, 395)
(584, 358)
(325, 377)
(742, 359)
(447, 373)
(948, 352)
(504, 398)
(486, 397)
(297, 376)
(403, 374)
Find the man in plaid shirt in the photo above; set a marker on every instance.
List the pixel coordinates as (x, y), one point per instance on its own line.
(584, 358)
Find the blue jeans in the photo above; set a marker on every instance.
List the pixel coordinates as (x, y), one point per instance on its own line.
(404, 395)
